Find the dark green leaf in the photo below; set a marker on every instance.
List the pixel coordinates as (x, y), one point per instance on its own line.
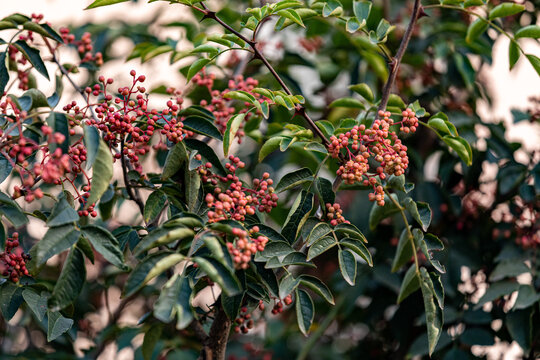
(513, 54)
(347, 265)
(404, 250)
(297, 215)
(520, 326)
(461, 147)
(379, 213)
(102, 173)
(320, 246)
(71, 280)
(91, 143)
(151, 337)
(62, 213)
(530, 31)
(57, 325)
(304, 311)
(508, 269)
(105, 244)
(409, 285)
(231, 305)
(477, 28)
(220, 274)
(201, 125)
(325, 191)
(420, 211)
(317, 286)
(55, 241)
(535, 62)
(357, 247)
(176, 157)
(347, 103)
(4, 74)
(527, 296)
(154, 205)
(496, 290)
(195, 67)
(136, 279)
(12, 211)
(434, 316)
(207, 153)
(36, 302)
(11, 299)
(293, 179)
(33, 56)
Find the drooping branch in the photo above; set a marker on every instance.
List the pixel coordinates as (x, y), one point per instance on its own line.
(396, 61)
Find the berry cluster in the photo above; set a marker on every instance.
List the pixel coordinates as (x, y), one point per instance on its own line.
(236, 201)
(244, 322)
(14, 259)
(334, 213)
(127, 120)
(245, 245)
(220, 106)
(84, 46)
(378, 143)
(278, 305)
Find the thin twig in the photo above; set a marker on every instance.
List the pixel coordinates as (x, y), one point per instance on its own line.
(300, 109)
(396, 61)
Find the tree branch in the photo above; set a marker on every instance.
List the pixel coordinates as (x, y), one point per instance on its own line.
(215, 345)
(300, 110)
(396, 61)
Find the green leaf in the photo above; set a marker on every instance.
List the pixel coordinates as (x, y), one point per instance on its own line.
(508, 269)
(71, 280)
(496, 290)
(195, 67)
(274, 248)
(352, 25)
(57, 325)
(305, 311)
(351, 231)
(86, 248)
(99, 3)
(33, 56)
(359, 248)
(207, 153)
(62, 213)
(137, 277)
(294, 178)
(347, 103)
(162, 237)
(11, 299)
(530, 31)
(527, 296)
(102, 173)
(4, 74)
(231, 305)
(33, 99)
(420, 211)
(409, 285)
(287, 285)
(292, 15)
(535, 62)
(202, 125)
(461, 147)
(434, 316)
(513, 54)
(269, 147)
(105, 244)
(395, 101)
(151, 337)
(220, 274)
(428, 244)
(154, 205)
(316, 285)
(520, 326)
(363, 89)
(332, 8)
(297, 215)
(294, 258)
(361, 10)
(475, 29)
(404, 250)
(379, 213)
(233, 125)
(176, 157)
(505, 9)
(175, 299)
(36, 302)
(347, 265)
(320, 246)
(319, 231)
(55, 241)
(91, 143)
(12, 211)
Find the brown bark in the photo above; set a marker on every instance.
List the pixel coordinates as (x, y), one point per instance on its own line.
(215, 345)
